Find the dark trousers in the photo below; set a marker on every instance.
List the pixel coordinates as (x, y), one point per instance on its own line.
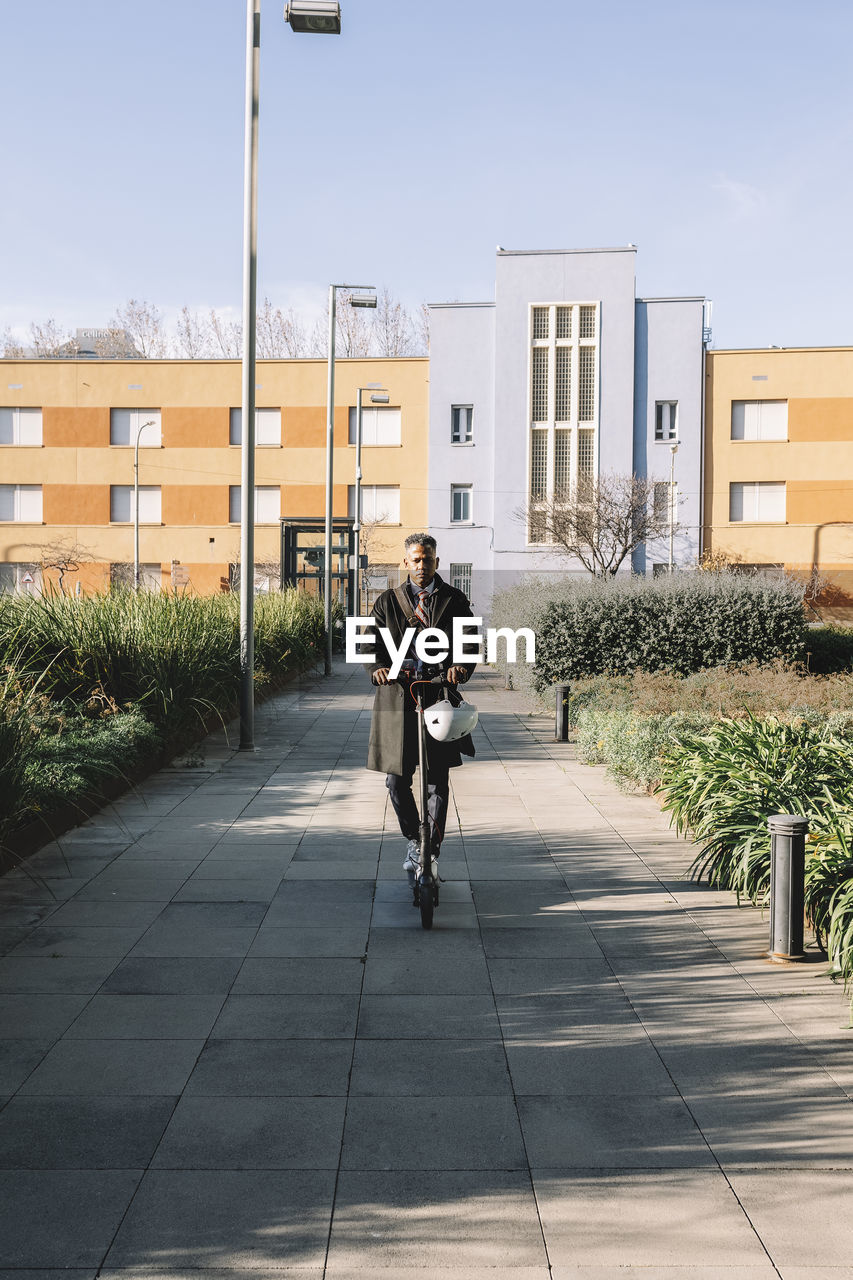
(438, 789)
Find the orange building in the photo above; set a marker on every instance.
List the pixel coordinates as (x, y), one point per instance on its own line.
(67, 435)
(778, 487)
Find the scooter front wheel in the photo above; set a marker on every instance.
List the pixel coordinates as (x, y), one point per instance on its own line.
(427, 901)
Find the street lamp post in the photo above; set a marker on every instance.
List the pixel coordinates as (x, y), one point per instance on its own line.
(139, 431)
(673, 450)
(378, 396)
(324, 17)
(360, 295)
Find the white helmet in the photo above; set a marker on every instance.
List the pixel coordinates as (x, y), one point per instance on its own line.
(447, 723)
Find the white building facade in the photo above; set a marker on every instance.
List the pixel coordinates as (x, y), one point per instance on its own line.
(566, 375)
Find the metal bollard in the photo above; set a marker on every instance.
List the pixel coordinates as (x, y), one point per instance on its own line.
(561, 722)
(787, 885)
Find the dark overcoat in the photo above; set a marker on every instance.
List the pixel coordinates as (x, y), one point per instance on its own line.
(394, 718)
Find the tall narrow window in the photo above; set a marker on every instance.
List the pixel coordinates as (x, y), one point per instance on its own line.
(562, 462)
(380, 503)
(563, 403)
(460, 503)
(461, 423)
(586, 393)
(666, 420)
(665, 500)
(540, 384)
(563, 385)
(539, 464)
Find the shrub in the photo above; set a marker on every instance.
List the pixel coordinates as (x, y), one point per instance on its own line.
(829, 648)
(725, 783)
(682, 624)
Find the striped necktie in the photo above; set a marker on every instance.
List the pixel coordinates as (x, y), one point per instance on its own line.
(421, 609)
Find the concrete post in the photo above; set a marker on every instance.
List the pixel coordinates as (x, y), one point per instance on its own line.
(787, 885)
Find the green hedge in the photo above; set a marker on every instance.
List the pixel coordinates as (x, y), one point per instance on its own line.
(829, 648)
(684, 623)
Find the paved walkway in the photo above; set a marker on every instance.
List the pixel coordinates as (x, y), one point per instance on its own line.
(230, 1048)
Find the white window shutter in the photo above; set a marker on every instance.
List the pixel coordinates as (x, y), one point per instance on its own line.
(267, 504)
(268, 426)
(30, 427)
(149, 504)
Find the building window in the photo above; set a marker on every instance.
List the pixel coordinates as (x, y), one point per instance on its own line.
(22, 578)
(665, 501)
(563, 400)
(461, 423)
(267, 427)
(267, 503)
(460, 578)
(150, 575)
(759, 420)
(761, 501)
(125, 423)
(460, 503)
(21, 503)
(379, 425)
(380, 503)
(20, 426)
(666, 420)
(122, 504)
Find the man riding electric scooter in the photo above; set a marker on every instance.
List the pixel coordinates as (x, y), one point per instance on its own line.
(423, 601)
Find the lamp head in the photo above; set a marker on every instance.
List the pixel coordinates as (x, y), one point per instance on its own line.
(380, 397)
(362, 299)
(323, 17)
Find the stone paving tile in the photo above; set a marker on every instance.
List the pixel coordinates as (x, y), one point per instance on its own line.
(414, 1068)
(748, 1128)
(272, 1068)
(286, 1017)
(388, 1017)
(299, 976)
(447, 1218)
(18, 1059)
(615, 1131)
(61, 1218)
(146, 1017)
(441, 1133)
(81, 1132)
(170, 938)
(297, 942)
(79, 940)
(48, 975)
(264, 1222)
(38, 1017)
(170, 976)
(656, 1218)
(802, 1215)
(252, 1133)
(131, 1068)
(105, 914)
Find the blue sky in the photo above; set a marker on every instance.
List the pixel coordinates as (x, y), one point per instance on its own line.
(715, 137)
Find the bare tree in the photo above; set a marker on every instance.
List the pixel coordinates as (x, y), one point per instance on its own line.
(392, 327)
(50, 342)
(143, 324)
(192, 335)
(12, 349)
(64, 555)
(226, 335)
(601, 522)
(422, 328)
(279, 335)
(353, 329)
